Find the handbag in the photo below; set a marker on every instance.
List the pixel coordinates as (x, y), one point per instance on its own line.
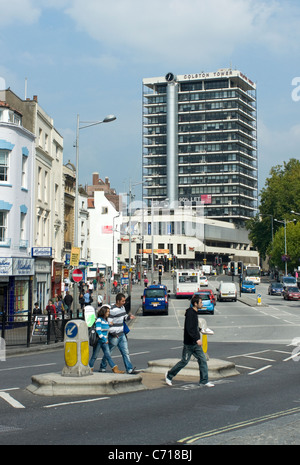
(93, 336)
(125, 328)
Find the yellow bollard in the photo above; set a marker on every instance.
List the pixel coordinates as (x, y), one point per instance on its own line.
(258, 299)
(76, 349)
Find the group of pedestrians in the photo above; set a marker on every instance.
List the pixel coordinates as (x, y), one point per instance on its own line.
(111, 329)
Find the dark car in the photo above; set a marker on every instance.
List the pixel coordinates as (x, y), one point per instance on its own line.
(275, 289)
(291, 293)
(155, 299)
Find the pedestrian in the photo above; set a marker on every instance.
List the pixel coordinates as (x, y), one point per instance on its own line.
(116, 336)
(102, 327)
(81, 300)
(191, 346)
(100, 300)
(146, 281)
(51, 310)
(37, 310)
(68, 300)
(87, 297)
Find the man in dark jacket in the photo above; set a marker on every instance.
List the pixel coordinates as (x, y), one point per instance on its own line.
(191, 346)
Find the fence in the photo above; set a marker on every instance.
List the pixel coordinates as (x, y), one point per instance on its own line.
(29, 329)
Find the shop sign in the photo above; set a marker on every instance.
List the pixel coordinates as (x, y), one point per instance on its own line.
(6, 266)
(41, 252)
(23, 267)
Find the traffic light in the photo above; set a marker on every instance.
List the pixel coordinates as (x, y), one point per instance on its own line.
(240, 267)
(232, 268)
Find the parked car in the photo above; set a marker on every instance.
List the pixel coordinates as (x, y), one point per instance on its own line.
(226, 291)
(155, 299)
(207, 301)
(203, 281)
(275, 289)
(291, 293)
(248, 286)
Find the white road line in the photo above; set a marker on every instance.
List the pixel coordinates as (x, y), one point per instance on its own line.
(260, 369)
(13, 402)
(260, 358)
(241, 366)
(28, 366)
(76, 402)
(291, 357)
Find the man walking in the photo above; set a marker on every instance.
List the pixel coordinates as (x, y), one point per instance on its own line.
(116, 336)
(191, 346)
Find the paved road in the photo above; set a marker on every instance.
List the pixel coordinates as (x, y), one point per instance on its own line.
(262, 405)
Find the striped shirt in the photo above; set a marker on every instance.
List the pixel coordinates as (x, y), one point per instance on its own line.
(117, 317)
(102, 327)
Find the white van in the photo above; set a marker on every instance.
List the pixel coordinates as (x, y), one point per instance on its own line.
(226, 291)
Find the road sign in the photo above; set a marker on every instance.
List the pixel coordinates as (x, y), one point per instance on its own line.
(77, 275)
(71, 329)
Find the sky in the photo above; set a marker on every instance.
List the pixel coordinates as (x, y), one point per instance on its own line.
(89, 57)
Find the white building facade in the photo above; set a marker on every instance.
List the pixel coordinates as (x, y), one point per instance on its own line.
(16, 213)
(104, 233)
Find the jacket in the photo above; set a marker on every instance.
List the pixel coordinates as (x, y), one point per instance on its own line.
(191, 327)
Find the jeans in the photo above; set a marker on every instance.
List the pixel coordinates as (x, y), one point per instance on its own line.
(187, 352)
(121, 343)
(101, 345)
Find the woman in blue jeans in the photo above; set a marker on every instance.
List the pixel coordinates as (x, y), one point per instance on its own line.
(102, 327)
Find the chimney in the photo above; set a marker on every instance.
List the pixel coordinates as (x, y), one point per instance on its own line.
(35, 98)
(95, 179)
(107, 181)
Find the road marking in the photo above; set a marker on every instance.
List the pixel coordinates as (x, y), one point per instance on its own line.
(243, 424)
(76, 402)
(13, 402)
(259, 370)
(260, 358)
(28, 366)
(247, 368)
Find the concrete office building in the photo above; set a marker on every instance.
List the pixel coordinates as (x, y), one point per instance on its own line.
(199, 142)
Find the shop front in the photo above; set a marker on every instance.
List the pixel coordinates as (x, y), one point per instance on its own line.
(42, 279)
(16, 278)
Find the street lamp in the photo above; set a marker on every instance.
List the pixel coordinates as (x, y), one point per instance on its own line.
(284, 222)
(87, 124)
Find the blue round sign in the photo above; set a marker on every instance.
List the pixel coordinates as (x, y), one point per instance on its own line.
(71, 329)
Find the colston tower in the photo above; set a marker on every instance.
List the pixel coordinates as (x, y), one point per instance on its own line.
(199, 142)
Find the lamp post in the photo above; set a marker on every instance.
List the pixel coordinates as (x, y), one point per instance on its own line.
(284, 222)
(87, 124)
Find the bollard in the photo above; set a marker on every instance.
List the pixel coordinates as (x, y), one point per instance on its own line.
(258, 299)
(76, 341)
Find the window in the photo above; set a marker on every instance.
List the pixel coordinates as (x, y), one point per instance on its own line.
(40, 137)
(39, 183)
(3, 226)
(23, 227)
(3, 165)
(24, 171)
(46, 187)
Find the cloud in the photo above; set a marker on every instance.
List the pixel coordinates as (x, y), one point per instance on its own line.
(24, 11)
(177, 30)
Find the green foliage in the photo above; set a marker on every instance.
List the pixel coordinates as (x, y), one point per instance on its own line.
(280, 195)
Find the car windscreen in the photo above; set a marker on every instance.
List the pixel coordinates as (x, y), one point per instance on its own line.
(151, 293)
(289, 280)
(293, 289)
(204, 296)
(276, 285)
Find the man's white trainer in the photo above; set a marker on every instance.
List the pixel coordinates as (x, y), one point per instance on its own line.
(168, 381)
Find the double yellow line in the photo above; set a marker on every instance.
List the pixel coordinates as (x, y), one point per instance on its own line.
(243, 424)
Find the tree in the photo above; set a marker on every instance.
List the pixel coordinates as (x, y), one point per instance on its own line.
(280, 195)
(277, 249)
